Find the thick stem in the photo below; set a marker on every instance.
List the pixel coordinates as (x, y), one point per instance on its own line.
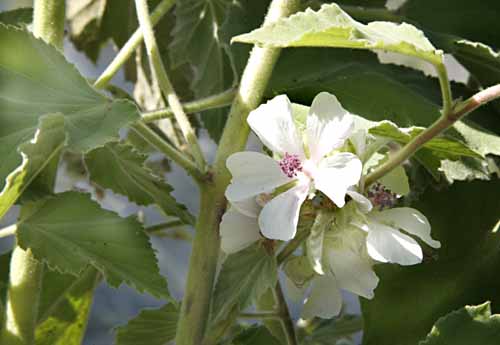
(443, 123)
(212, 102)
(285, 317)
(202, 264)
(129, 48)
(48, 21)
(165, 84)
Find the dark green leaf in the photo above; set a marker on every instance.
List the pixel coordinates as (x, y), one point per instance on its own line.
(150, 327)
(70, 231)
(120, 168)
(328, 332)
(244, 276)
(255, 335)
(17, 16)
(469, 325)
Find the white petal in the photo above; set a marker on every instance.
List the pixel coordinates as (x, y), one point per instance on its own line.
(279, 217)
(328, 125)
(336, 174)
(248, 207)
(411, 221)
(253, 173)
(358, 140)
(237, 231)
(273, 124)
(386, 244)
(363, 203)
(325, 300)
(353, 273)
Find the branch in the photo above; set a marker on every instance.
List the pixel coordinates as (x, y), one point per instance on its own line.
(131, 45)
(291, 246)
(442, 124)
(48, 21)
(285, 317)
(260, 316)
(212, 102)
(165, 84)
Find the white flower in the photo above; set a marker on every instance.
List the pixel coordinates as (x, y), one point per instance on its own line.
(328, 125)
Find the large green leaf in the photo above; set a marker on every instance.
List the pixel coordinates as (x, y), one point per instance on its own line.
(244, 276)
(464, 271)
(469, 325)
(41, 81)
(330, 26)
(17, 16)
(150, 327)
(120, 168)
(37, 154)
(65, 307)
(70, 231)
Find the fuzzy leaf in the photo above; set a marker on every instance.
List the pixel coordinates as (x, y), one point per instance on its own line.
(120, 168)
(17, 16)
(70, 231)
(330, 26)
(40, 81)
(48, 141)
(244, 276)
(469, 325)
(150, 327)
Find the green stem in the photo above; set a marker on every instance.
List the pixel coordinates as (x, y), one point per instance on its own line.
(204, 255)
(260, 316)
(129, 48)
(165, 84)
(8, 231)
(163, 226)
(285, 317)
(168, 150)
(443, 123)
(291, 246)
(212, 102)
(367, 14)
(48, 21)
(444, 83)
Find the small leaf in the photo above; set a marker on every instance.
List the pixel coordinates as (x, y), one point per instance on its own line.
(298, 269)
(397, 181)
(48, 141)
(255, 335)
(70, 231)
(244, 276)
(150, 327)
(330, 331)
(469, 325)
(332, 27)
(314, 242)
(120, 168)
(17, 16)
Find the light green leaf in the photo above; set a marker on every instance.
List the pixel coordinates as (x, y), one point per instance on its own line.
(120, 168)
(47, 143)
(150, 327)
(298, 269)
(40, 81)
(70, 231)
(314, 242)
(65, 307)
(332, 27)
(255, 335)
(469, 325)
(244, 276)
(17, 16)
(397, 181)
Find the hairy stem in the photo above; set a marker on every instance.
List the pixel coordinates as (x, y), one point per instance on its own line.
(168, 150)
(48, 21)
(165, 84)
(443, 123)
(291, 246)
(163, 226)
(212, 102)
(444, 83)
(260, 316)
(133, 42)
(8, 231)
(203, 262)
(285, 317)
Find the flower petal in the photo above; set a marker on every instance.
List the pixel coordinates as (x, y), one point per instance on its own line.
(278, 219)
(237, 231)
(328, 125)
(248, 207)
(325, 300)
(411, 221)
(386, 244)
(353, 273)
(336, 174)
(364, 204)
(253, 173)
(273, 124)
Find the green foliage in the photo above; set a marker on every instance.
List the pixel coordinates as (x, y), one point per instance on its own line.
(255, 335)
(17, 16)
(120, 168)
(332, 27)
(150, 327)
(328, 332)
(469, 325)
(80, 233)
(46, 145)
(243, 278)
(464, 218)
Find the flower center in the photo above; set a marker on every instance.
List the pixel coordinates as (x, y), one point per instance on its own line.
(381, 197)
(290, 165)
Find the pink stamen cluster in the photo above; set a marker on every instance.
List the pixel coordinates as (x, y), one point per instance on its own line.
(381, 197)
(290, 165)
